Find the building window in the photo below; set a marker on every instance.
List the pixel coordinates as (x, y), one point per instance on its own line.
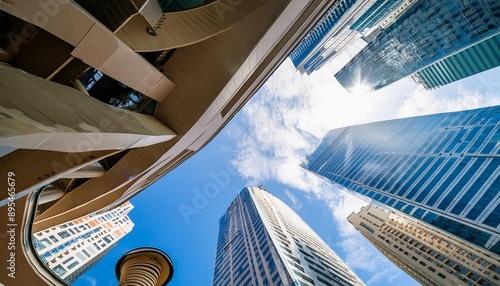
(63, 234)
(366, 227)
(59, 270)
(86, 253)
(108, 239)
(72, 265)
(90, 249)
(80, 256)
(68, 260)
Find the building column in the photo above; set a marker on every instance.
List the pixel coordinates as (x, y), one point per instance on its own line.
(144, 266)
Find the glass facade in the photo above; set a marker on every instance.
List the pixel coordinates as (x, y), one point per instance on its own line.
(376, 13)
(263, 242)
(478, 58)
(310, 52)
(426, 32)
(443, 169)
(345, 22)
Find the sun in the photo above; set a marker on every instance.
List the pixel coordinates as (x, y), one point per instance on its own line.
(360, 89)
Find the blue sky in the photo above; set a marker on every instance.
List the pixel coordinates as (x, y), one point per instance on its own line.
(264, 144)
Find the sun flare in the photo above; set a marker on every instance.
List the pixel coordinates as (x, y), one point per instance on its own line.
(361, 89)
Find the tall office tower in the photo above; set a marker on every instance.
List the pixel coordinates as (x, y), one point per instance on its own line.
(443, 169)
(425, 33)
(264, 242)
(334, 33)
(71, 248)
(103, 98)
(478, 58)
(431, 256)
(377, 13)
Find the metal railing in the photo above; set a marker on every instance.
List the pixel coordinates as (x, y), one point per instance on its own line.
(153, 14)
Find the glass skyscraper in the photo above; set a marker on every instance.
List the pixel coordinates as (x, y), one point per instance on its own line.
(264, 242)
(345, 22)
(478, 58)
(443, 169)
(376, 13)
(426, 32)
(310, 53)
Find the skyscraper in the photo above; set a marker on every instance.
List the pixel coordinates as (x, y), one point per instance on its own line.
(430, 255)
(71, 248)
(345, 22)
(443, 169)
(375, 14)
(426, 32)
(478, 58)
(264, 242)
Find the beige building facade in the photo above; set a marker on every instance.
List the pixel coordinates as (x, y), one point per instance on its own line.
(431, 256)
(144, 266)
(65, 152)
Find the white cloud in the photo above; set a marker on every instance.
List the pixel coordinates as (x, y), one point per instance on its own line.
(296, 204)
(455, 97)
(286, 119)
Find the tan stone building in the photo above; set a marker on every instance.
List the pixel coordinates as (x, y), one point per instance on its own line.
(179, 74)
(430, 255)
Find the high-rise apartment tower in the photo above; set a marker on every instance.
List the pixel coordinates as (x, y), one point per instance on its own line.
(264, 242)
(71, 248)
(443, 169)
(428, 254)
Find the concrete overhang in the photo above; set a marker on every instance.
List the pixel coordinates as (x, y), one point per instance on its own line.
(183, 28)
(94, 44)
